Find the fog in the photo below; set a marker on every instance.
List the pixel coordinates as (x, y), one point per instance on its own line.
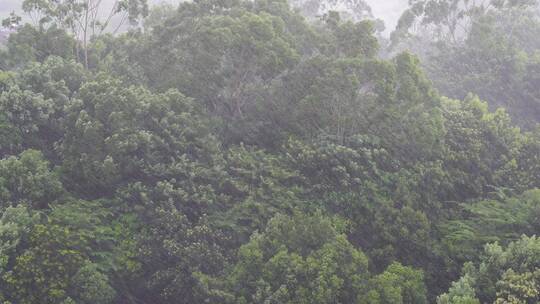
(7, 6)
(270, 151)
(387, 10)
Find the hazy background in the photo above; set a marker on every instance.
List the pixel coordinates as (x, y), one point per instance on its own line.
(6, 6)
(387, 10)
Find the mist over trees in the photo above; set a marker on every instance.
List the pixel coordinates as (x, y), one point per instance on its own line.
(239, 151)
(489, 48)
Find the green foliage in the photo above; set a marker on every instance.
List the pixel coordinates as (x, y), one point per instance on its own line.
(262, 185)
(304, 259)
(299, 259)
(92, 286)
(223, 59)
(15, 225)
(498, 220)
(482, 148)
(28, 180)
(348, 39)
(82, 19)
(117, 135)
(354, 10)
(177, 256)
(232, 55)
(235, 152)
(398, 284)
(44, 270)
(12, 21)
(33, 105)
(30, 44)
(487, 48)
(503, 275)
(461, 292)
(448, 17)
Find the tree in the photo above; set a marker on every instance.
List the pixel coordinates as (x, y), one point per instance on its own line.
(116, 135)
(92, 286)
(178, 256)
(502, 219)
(300, 259)
(261, 185)
(452, 19)
(356, 10)
(481, 148)
(461, 292)
(491, 52)
(11, 22)
(29, 44)
(397, 284)
(33, 104)
(16, 223)
(15, 226)
(51, 270)
(82, 17)
(28, 180)
(233, 151)
(504, 275)
(303, 259)
(232, 52)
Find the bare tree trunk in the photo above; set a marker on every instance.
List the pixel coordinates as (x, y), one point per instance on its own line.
(85, 34)
(77, 44)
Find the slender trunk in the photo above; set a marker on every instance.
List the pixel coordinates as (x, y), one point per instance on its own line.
(85, 34)
(77, 44)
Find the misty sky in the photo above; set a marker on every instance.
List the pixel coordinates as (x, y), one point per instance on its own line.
(387, 10)
(6, 6)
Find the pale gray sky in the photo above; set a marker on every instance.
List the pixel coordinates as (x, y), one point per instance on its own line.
(388, 10)
(6, 6)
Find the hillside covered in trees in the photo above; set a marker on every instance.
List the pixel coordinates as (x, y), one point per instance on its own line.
(267, 152)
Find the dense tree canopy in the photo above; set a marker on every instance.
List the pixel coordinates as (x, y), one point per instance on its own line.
(239, 152)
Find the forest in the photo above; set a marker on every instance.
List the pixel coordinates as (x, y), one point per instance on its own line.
(270, 152)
